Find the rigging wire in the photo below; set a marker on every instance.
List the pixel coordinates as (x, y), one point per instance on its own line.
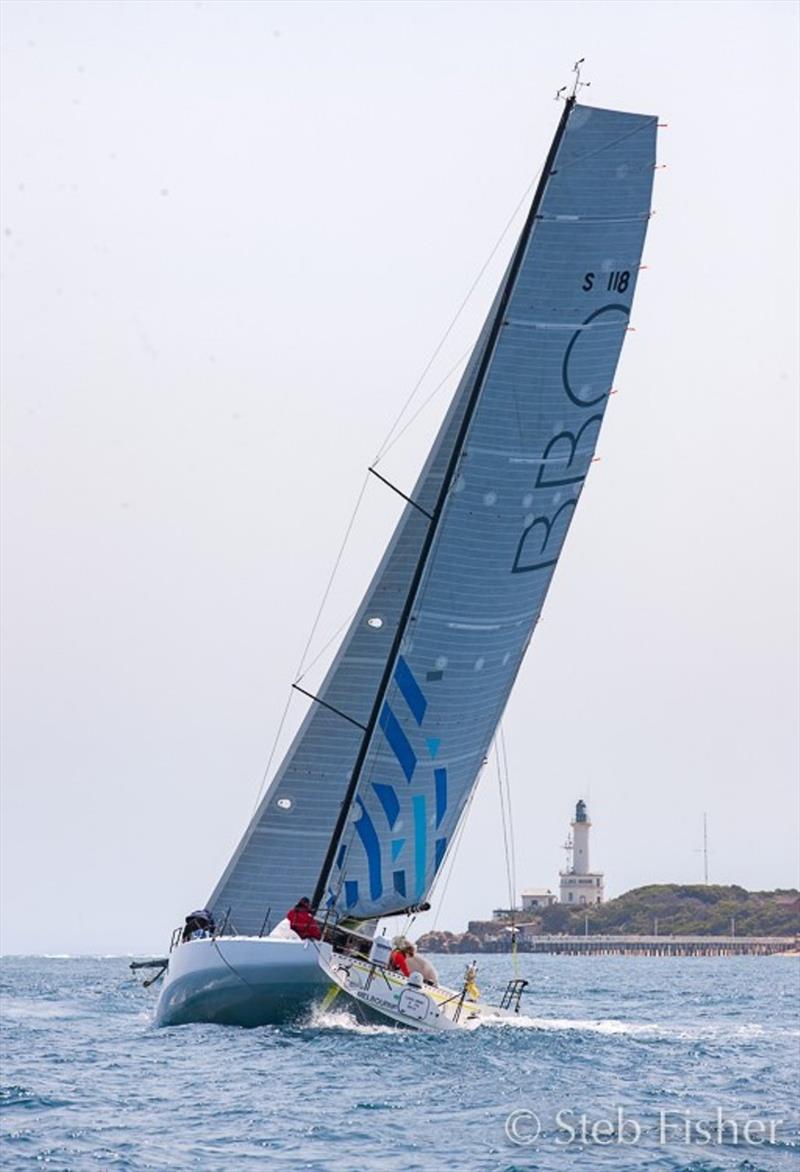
(302, 667)
(569, 163)
(323, 649)
(389, 437)
(504, 824)
(451, 859)
(501, 760)
(272, 751)
(511, 838)
(390, 443)
(336, 565)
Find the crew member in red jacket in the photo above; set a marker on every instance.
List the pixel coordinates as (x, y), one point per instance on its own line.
(397, 960)
(302, 921)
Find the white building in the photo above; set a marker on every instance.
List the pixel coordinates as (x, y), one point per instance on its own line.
(537, 897)
(579, 885)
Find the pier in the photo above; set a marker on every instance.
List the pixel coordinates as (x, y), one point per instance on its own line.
(658, 945)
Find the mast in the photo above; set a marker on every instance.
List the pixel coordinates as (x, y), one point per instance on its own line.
(455, 456)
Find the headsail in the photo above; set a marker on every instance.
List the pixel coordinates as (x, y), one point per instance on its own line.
(458, 602)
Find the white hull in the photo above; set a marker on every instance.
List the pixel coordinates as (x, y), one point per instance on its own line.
(392, 997)
(240, 980)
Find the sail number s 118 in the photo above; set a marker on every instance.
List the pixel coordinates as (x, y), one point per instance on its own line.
(617, 281)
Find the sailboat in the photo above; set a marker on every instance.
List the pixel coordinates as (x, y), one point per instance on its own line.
(371, 985)
(364, 807)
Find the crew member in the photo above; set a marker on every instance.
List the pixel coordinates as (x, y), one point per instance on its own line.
(198, 925)
(302, 922)
(401, 950)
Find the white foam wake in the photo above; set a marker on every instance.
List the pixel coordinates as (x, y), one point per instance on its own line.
(644, 1030)
(343, 1019)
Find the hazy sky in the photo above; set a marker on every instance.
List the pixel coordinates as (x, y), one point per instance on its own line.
(233, 234)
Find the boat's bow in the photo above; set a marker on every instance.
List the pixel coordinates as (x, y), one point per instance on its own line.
(240, 980)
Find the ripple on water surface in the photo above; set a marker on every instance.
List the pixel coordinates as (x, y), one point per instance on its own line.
(90, 1083)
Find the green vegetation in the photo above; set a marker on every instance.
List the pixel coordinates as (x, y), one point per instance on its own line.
(681, 910)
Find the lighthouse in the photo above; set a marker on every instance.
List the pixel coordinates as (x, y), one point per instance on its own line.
(579, 884)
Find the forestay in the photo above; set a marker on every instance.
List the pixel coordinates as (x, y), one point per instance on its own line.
(528, 445)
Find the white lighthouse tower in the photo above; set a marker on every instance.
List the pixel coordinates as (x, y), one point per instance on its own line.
(579, 885)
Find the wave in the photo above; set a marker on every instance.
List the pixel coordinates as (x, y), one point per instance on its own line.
(80, 955)
(645, 1030)
(19, 1008)
(23, 1097)
(343, 1019)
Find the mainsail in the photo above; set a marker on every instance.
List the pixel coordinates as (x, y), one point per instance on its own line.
(364, 805)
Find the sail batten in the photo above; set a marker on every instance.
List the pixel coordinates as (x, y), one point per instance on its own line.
(458, 602)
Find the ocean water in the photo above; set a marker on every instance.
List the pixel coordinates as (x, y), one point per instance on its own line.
(603, 1048)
